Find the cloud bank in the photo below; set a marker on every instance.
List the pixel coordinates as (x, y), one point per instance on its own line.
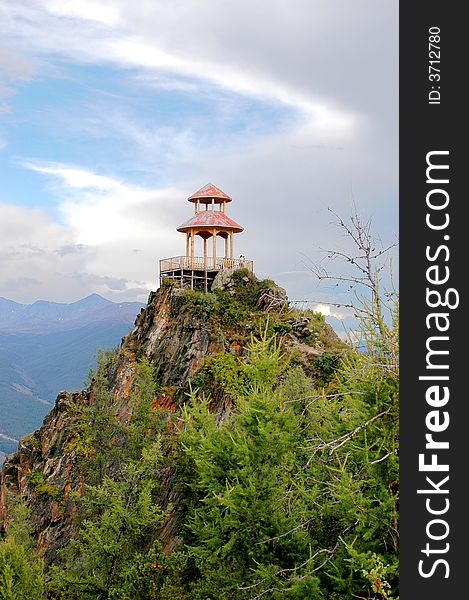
(128, 109)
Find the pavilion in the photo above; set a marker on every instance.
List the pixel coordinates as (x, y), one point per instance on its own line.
(209, 221)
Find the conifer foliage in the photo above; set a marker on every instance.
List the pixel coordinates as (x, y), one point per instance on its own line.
(289, 489)
(21, 568)
(119, 516)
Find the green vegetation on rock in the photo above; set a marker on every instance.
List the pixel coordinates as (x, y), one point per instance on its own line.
(276, 476)
(21, 568)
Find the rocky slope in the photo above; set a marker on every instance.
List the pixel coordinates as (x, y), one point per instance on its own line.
(177, 331)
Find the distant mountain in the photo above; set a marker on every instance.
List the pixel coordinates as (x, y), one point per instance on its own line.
(43, 316)
(46, 347)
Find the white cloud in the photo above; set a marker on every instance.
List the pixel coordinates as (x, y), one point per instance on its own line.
(241, 80)
(29, 258)
(101, 209)
(334, 65)
(76, 177)
(104, 222)
(110, 33)
(13, 69)
(104, 12)
(326, 311)
(41, 259)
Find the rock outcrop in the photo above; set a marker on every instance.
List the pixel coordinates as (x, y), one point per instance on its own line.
(176, 331)
(43, 472)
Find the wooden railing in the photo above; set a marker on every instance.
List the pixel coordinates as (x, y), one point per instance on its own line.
(197, 264)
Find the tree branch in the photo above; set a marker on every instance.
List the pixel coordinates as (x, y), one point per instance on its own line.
(337, 443)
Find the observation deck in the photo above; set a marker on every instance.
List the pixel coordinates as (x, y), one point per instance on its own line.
(195, 272)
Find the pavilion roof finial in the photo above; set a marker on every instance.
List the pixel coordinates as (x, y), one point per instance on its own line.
(208, 193)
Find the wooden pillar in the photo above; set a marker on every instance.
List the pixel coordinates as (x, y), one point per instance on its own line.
(187, 244)
(231, 244)
(226, 246)
(214, 235)
(205, 265)
(213, 203)
(192, 249)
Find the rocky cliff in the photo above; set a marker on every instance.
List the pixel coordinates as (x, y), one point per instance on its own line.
(177, 331)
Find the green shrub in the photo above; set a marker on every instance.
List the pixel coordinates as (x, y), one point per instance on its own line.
(201, 303)
(325, 365)
(41, 488)
(33, 440)
(282, 327)
(223, 372)
(166, 283)
(230, 311)
(21, 568)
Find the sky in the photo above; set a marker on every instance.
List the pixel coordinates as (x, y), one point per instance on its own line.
(113, 112)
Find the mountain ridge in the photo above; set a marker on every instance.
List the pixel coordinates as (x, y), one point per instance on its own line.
(44, 315)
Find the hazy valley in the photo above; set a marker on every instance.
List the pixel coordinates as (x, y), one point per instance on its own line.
(46, 347)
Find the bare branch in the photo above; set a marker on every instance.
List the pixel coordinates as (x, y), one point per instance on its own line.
(282, 535)
(316, 397)
(308, 560)
(374, 462)
(272, 589)
(335, 304)
(334, 396)
(365, 259)
(281, 572)
(334, 445)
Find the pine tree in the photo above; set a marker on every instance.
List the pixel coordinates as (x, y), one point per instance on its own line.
(119, 511)
(21, 568)
(240, 488)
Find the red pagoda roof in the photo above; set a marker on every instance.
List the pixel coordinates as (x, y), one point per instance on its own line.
(209, 192)
(209, 219)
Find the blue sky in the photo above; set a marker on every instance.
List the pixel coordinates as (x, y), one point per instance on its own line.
(88, 115)
(112, 113)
